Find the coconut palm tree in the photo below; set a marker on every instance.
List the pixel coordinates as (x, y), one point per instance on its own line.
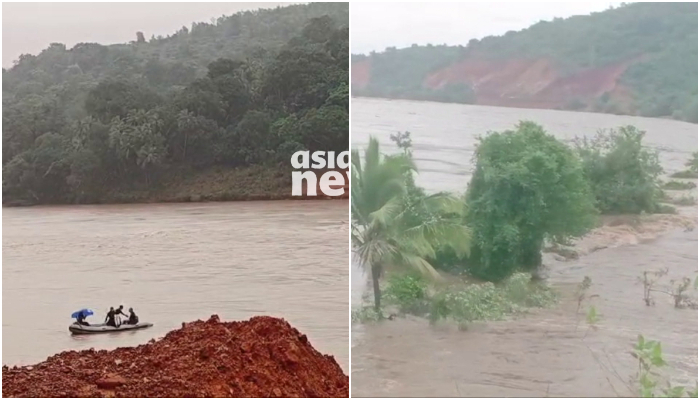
(394, 223)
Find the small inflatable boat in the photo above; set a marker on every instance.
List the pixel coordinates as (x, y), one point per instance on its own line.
(78, 329)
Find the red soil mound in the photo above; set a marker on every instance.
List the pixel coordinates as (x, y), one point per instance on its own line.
(262, 357)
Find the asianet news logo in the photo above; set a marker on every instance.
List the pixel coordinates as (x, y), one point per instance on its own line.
(332, 183)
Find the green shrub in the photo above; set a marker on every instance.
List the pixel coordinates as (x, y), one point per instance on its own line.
(521, 290)
(623, 174)
(408, 292)
(527, 186)
(488, 301)
(365, 314)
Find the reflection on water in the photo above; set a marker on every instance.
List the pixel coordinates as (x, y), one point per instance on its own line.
(550, 353)
(173, 263)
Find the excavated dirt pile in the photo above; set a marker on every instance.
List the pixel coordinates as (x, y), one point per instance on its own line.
(262, 357)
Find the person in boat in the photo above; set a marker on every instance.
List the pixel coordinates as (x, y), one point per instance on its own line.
(110, 319)
(81, 319)
(133, 318)
(119, 311)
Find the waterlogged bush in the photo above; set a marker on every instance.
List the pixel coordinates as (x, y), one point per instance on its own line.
(678, 185)
(526, 186)
(408, 292)
(365, 314)
(623, 175)
(521, 290)
(490, 302)
(692, 171)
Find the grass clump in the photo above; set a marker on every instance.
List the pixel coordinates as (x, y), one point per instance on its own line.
(490, 302)
(678, 185)
(365, 314)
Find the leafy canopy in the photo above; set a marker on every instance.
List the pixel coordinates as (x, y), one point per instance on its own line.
(527, 187)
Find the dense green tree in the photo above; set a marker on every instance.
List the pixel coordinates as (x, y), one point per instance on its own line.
(249, 89)
(526, 187)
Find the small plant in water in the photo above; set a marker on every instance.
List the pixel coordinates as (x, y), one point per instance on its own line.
(581, 292)
(649, 358)
(649, 279)
(409, 293)
(592, 317)
(680, 298)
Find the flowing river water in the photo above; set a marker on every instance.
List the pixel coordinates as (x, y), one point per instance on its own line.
(551, 352)
(173, 263)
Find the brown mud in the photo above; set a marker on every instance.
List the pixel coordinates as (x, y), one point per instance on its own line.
(525, 83)
(261, 357)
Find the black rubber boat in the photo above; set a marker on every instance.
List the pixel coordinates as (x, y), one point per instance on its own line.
(77, 329)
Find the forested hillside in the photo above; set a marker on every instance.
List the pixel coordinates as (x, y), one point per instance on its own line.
(639, 58)
(95, 123)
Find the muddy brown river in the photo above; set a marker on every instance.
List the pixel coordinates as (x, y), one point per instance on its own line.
(551, 352)
(172, 263)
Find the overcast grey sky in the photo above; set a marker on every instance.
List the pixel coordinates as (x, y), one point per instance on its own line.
(376, 26)
(31, 27)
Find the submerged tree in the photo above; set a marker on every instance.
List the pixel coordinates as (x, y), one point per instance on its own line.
(391, 227)
(623, 175)
(527, 187)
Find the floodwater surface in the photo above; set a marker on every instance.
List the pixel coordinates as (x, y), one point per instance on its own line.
(552, 352)
(173, 263)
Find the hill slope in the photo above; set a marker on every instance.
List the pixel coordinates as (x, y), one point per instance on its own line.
(635, 59)
(82, 124)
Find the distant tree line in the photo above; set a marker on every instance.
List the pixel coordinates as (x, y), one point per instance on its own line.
(248, 90)
(659, 39)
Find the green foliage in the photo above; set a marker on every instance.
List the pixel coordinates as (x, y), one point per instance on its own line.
(527, 186)
(685, 175)
(678, 185)
(366, 314)
(657, 40)
(409, 292)
(623, 174)
(247, 90)
(592, 317)
(394, 223)
(649, 359)
(488, 301)
(692, 171)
